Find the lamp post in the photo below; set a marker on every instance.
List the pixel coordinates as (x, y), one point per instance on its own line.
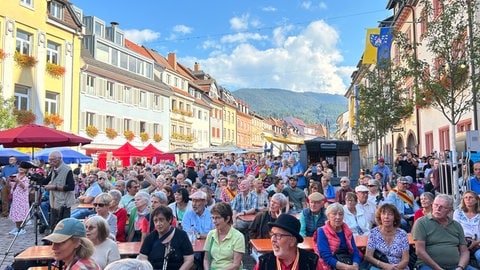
(470, 14)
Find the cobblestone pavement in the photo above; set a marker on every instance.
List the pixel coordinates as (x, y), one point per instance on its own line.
(9, 247)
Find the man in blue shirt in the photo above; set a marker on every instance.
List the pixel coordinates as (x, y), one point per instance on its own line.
(385, 170)
(475, 180)
(199, 218)
(88, 197)
(7, 171)
(297, 171)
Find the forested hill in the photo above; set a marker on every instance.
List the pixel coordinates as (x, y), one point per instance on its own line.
(308, 106)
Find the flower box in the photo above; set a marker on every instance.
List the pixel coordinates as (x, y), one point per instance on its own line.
(24, 60)
(24, 117)
(92, 131)
(129, 135)
(3, 54)
(157, 137)
(144, 136)
(55, 70)
(111, 133)
(52, 119)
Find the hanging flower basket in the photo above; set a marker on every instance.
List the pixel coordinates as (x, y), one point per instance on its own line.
(129, 135)
(24, 60)
(54, 70)
(92, 131)
(52, 119)
(111, 133)
(144, 136)
(3, 54)
(157, 137)
(24, 117)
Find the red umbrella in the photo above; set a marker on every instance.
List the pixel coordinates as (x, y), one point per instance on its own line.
(33, 135)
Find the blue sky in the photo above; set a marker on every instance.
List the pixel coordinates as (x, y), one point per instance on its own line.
(288, 44)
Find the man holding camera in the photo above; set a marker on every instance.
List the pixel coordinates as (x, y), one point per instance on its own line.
(408, 165)
(7, 171)
(61, 186)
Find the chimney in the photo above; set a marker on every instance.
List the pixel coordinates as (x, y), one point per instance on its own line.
(196, 67)
(172, 60)
(114, 24)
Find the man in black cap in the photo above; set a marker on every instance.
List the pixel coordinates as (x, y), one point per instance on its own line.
(285, 236)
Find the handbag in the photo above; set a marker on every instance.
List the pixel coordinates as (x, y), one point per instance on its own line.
(343, 256)
(377, 254)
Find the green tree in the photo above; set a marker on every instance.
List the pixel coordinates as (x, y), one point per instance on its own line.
(445, 82)
(383, 102)
(7, 119)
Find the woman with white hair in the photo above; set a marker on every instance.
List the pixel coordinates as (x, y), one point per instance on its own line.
(344, 189)
(106, 250)
(138, 213)
(128, 264)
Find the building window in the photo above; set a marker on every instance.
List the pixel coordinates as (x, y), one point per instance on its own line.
(174, 104)
(22, 98)
(26, 3)
(99, 28)
(90, 119)
(143, 126)
(56, 10)
(53, 52)
(126, 124)
(110, 90)
(51, 102)
(127, 95)
(429, 143)
(444, 138)
(110, 121)
(90, 85)
(119, 38)
(174, 129)
(23, 42)
(464, 125)
(143, 99)
(156, 129)
(156, 101)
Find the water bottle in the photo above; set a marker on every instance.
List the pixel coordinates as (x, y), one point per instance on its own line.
(192, 235)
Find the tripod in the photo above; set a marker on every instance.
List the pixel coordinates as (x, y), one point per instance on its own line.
(34, 211)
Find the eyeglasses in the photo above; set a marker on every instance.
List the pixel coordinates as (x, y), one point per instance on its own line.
(102, 178)
(343, 181)
(99, 204)
(184, 186)
(371, 185)
(279, 236)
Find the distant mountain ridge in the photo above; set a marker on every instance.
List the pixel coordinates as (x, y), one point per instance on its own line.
(308, 106)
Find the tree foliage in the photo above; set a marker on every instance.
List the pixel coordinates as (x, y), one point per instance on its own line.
(7, 119)
(444, 79)
(383, 102)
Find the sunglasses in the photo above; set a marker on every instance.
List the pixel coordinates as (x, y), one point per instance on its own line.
(99, 204)
(184, 186)
(371, 185)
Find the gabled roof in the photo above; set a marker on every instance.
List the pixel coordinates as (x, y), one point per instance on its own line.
(181, 92)
(136, 48)
(70, 18)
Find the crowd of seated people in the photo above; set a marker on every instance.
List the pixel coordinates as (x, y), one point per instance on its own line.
(164, 206)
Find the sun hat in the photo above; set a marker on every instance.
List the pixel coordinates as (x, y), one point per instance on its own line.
(198, 195)
(361, 188)
(316, 196)
(66, 229)
(290, 224)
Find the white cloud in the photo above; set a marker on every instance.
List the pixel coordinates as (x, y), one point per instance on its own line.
(242, 37)
(306, 5)
(269, 9)
(141, 36)
(239, 23)
(308, 60)
(183, 29)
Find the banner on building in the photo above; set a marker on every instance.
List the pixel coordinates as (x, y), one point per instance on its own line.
(377, 45)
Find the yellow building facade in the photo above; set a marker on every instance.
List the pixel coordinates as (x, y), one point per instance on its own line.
(40, 43)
